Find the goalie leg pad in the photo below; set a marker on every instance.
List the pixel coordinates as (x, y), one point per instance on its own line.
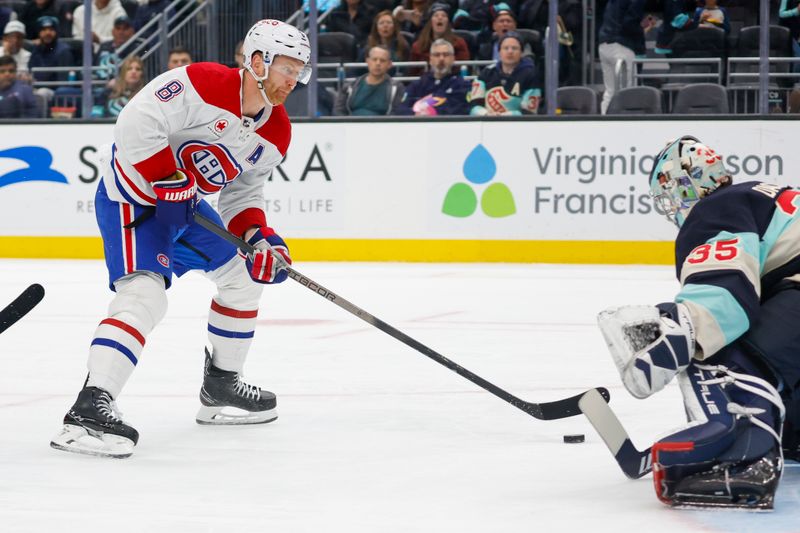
(729, 454)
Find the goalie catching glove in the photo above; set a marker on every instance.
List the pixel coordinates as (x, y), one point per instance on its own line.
(263, 265)
(650, 345)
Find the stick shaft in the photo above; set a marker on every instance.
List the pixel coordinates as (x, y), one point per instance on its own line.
(552, 410)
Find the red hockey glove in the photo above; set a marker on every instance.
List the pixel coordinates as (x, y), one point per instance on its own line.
(263, 265)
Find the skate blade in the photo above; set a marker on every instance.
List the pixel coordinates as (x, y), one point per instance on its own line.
(231, 416)
(764, 505)
(77, 439)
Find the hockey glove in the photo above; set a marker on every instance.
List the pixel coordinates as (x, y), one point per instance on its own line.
(649, 345)
(176, 199)
(263, 265)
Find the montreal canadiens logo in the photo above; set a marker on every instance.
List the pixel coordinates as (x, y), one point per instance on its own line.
(212, 165)
(163, 259)
(220, 125)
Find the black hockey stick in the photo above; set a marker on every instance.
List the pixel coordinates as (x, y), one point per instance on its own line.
(543, 411)
(633, 462)
(21, 305)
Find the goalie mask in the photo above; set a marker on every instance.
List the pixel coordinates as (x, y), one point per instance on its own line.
(685, 172)
(274, 38)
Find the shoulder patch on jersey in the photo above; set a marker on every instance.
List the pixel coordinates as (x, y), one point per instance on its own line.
(217, 85)
(277, 129)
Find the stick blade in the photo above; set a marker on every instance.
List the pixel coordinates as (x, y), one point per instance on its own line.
(21, 306)
(567, 407)
(633, 462)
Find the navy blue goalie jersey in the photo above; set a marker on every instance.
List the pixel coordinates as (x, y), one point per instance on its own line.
(733, 248)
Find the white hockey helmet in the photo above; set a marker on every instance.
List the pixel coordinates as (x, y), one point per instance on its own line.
(685, 172)
(275, 38)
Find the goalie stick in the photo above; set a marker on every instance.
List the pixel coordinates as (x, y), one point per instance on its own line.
(21, 305)
(543, 411)
(633, 462)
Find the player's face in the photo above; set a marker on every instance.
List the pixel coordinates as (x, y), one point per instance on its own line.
(378, 62)
(283, 74)
(510, 52)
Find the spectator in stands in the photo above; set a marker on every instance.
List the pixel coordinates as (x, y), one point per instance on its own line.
(475, 15)
(621, 37)
(238, 56)
(13, 35)
(438, 91)
(676, 18)
(147, 11)
(104, 13)
(374, 93)
(353, 17)
(387, 33)
(438, 27)
(504, 21)
(32, 12)
(509, 87)
(711, 15)
(50, 52)
(129, 82)
(790, 17)
(6, 15)
(16, 97)
(411, 15)
(179, 57)
(109, 55)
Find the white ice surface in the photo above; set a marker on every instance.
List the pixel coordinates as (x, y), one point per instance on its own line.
(372, 436)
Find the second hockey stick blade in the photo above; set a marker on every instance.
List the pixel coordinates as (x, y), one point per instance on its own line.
(21, 305)
(634, 463)
(543, 411)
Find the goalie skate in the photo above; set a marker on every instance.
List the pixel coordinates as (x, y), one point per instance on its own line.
(94, 427)
(227, 400)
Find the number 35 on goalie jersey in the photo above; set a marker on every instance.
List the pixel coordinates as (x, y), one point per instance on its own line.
(736, 244)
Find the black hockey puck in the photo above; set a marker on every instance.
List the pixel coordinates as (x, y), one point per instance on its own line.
(574, 439)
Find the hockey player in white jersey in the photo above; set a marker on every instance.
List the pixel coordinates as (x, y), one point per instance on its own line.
(191, 132)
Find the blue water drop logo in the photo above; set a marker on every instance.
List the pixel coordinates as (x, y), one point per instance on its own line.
(479, 166)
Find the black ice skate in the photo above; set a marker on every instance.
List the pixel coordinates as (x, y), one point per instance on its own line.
(243, 403)
(94, 427)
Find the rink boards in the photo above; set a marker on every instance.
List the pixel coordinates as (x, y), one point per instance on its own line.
(559, 191)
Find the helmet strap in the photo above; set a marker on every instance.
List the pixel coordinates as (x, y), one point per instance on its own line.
(260, 82)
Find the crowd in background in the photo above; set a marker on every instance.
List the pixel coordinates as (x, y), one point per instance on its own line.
(508, 34)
